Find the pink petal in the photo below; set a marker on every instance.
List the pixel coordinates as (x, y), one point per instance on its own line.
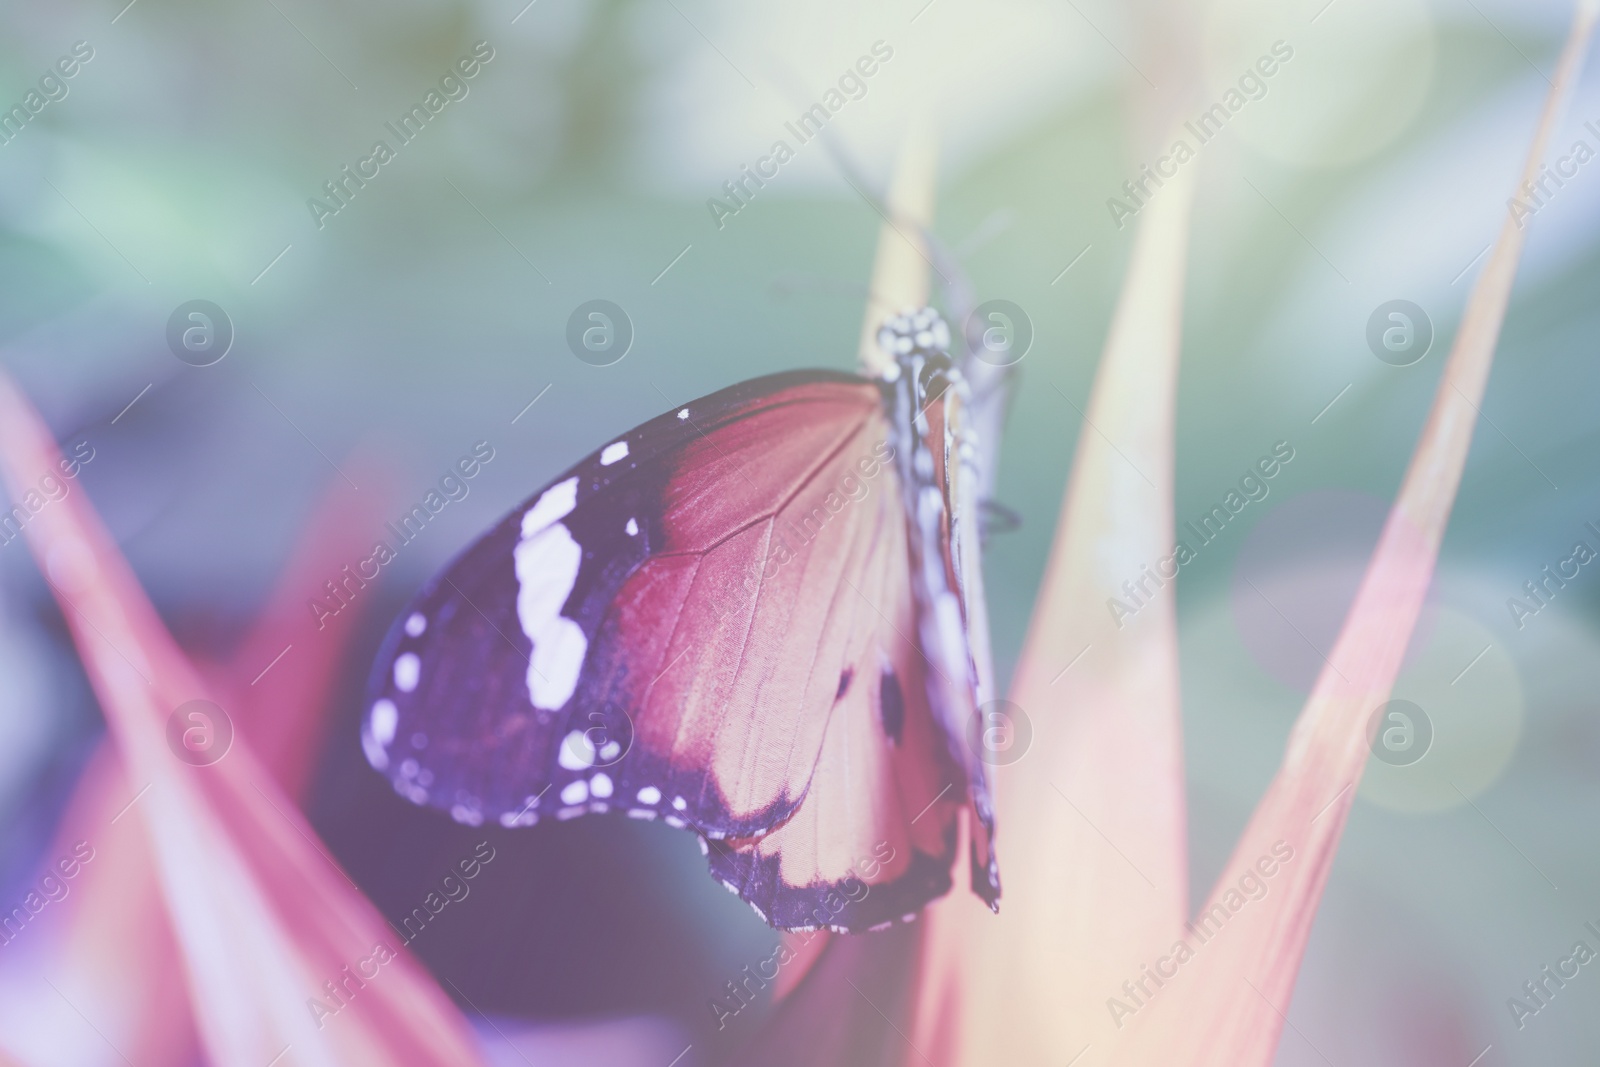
(283, 674)
(111, 931)
(263, 916)
(1227, 1006)
(853, 1006)
(98, 947)
(807, 947)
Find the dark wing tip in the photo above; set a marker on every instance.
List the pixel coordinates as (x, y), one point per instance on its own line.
(848, 906)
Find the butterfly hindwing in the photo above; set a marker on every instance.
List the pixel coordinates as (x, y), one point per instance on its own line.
(853, 858)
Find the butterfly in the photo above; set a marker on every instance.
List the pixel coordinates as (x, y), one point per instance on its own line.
(758, 617)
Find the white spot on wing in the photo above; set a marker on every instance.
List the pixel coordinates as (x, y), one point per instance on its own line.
(379, 732)
(553, 504)
(376, 756)
(407, 669)
(557, 661)
(547, 567)
(416, 624)
(613, 452)
(679, 803)
(600, 785)
(384, 718)
(684, 414)
(576, 752)
(649, 795)
(633, 527)
(610, 751)
(575, 792)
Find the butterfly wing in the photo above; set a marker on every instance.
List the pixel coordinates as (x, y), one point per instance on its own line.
(694, 623)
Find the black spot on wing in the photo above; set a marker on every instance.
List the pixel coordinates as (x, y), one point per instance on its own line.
(844, 683)
(891, 706)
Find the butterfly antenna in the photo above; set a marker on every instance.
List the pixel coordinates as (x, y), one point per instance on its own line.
(989, 384)
(952, 280)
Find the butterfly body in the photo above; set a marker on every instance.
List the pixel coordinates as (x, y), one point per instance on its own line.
(749, 617)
